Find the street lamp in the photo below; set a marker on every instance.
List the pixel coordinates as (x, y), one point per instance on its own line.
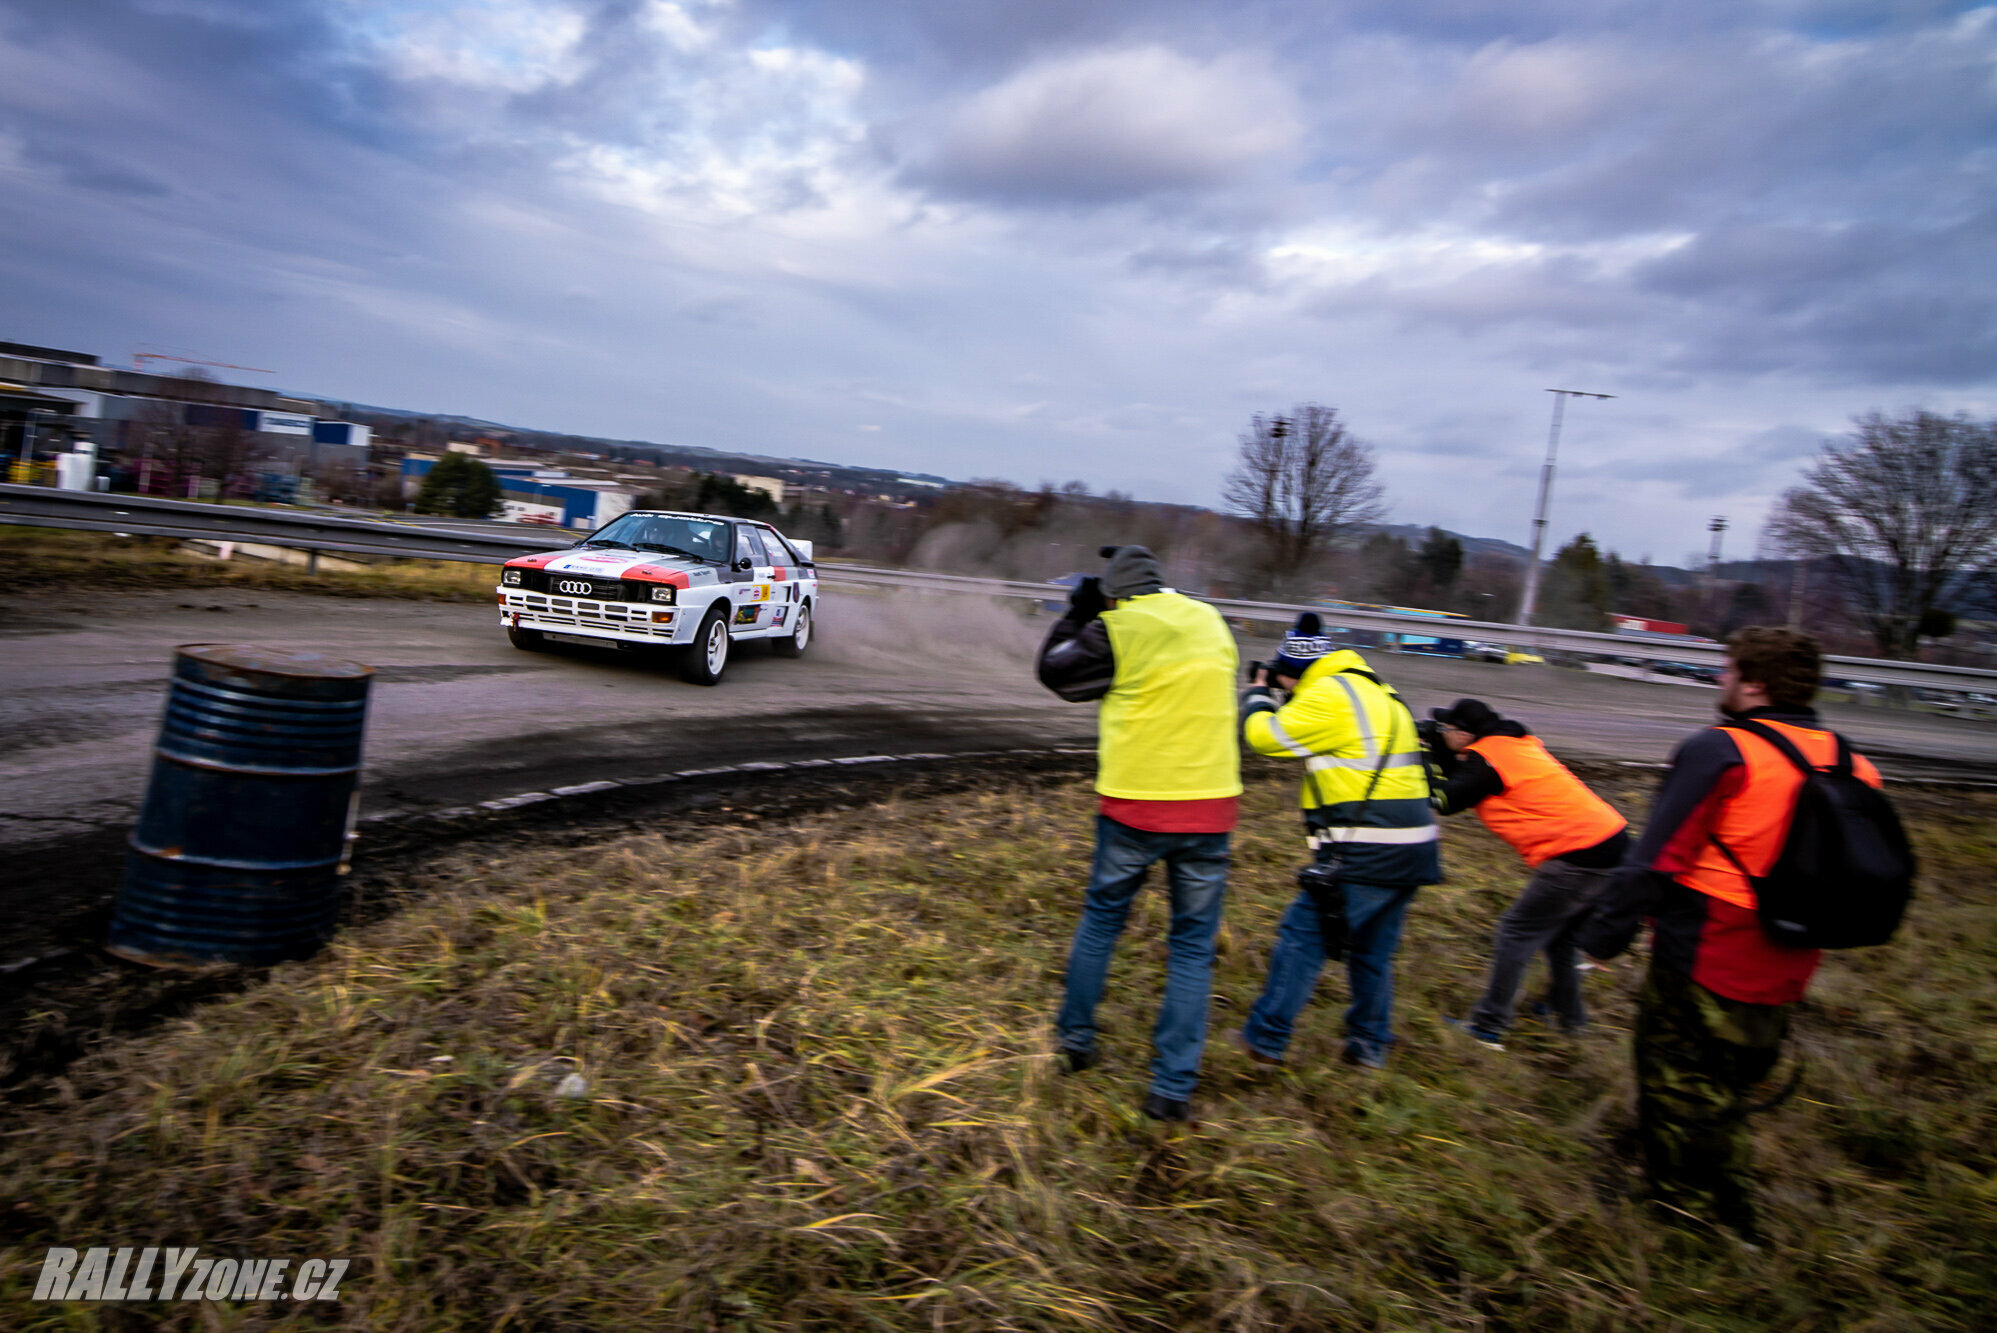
(1560, 397)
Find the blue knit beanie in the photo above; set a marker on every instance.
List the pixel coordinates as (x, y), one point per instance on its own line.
(1302, 645)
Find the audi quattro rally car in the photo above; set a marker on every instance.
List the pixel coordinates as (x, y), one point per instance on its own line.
(696, 582)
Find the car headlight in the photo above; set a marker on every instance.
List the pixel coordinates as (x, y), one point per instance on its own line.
(510, 576)
(663, 593)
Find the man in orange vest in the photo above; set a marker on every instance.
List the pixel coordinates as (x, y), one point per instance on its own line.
(1715, 1006)
(1570, 837)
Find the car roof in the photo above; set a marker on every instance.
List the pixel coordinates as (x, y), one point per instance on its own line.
(685, 513)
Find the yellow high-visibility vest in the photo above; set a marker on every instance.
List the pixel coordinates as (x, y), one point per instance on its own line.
(1166, 730)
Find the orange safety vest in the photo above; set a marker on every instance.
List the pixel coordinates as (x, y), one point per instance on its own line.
(1544, 810)
(1754, 822)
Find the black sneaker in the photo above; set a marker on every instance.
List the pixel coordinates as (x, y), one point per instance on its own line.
(1081, 1058)
(1165, 1108)
(1490, 1041)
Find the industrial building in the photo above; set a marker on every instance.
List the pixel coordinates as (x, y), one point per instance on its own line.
(54, 402)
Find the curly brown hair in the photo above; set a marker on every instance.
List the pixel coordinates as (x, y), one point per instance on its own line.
(1788, 665)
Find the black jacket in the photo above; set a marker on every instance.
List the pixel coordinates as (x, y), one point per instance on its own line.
(1075, 660)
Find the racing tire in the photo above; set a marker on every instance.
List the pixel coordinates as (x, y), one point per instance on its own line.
(526, 640)
(707, 656)
(800, 636)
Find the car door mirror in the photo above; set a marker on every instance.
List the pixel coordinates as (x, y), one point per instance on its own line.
(744, 563)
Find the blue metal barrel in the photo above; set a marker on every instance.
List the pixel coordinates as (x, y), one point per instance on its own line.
(237, 854)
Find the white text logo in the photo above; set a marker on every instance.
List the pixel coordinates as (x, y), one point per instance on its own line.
(130, 1273)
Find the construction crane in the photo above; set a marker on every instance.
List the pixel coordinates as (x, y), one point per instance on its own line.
(188, 360)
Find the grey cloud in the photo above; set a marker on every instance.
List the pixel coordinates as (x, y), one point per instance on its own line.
(1088, 291)
(88, 171)
(1100, 126)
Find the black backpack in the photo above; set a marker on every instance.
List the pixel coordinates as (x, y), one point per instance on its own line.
(1845, 872)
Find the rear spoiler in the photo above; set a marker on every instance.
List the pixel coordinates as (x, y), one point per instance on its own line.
(803, 548)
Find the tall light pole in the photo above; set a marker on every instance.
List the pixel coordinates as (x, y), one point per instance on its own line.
(1560, 397)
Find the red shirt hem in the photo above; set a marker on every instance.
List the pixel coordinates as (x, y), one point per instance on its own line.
(1217, 814)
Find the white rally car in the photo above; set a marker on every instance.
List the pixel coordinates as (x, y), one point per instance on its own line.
(695, 582)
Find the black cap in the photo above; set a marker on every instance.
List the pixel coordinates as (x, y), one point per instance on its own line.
(1471, 715)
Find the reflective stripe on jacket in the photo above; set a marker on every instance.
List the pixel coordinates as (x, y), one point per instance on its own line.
(1754, 821)
(1166, 730)
(1544, 810)
(1344, 726)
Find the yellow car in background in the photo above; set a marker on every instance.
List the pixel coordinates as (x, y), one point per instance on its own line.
(1523, 657)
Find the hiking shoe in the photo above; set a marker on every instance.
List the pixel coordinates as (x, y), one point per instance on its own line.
(1488, 1040)
(1259, 1057)
(1166, 1108)
(1081, 1058)
(1361, 1058)
(1544, 1012)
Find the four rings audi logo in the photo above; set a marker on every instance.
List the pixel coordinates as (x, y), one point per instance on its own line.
(575, 587)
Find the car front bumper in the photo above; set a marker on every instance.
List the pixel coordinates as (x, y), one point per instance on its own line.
(616, 622)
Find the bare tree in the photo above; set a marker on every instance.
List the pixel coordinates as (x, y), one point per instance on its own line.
(1302, 482)
(1905, 510)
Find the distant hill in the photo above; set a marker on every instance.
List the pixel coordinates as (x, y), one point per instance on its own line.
(1414, 534)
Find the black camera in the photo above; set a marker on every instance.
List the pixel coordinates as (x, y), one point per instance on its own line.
(1253, 669)
(1430, 732)
(1324, 881)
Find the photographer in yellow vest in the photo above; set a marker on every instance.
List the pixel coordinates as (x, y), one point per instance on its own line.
(1571, 838)
(1168, 778)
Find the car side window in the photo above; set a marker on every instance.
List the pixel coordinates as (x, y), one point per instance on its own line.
(751, 545)
(780, 556)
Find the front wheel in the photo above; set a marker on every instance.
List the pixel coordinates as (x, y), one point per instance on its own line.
(707, 656)
(526, 640)
(800, 635)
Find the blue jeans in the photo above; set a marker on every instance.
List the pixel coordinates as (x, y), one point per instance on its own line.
(1373, 914)
(1196, 871)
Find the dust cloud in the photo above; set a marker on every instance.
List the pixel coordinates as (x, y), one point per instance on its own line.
(912, 632)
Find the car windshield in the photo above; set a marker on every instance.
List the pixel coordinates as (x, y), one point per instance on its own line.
(695, 538)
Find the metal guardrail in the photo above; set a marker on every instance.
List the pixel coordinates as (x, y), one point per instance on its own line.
(1702, 652)
(39, 506)
(146, 515)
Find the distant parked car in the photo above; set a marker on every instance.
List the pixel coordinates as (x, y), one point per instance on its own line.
(1485, 652)
(1523, 657)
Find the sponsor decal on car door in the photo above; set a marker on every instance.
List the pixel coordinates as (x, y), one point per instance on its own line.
(754, 598)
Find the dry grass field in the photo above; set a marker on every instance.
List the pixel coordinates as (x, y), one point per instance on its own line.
(51, 560)
(812, 1090)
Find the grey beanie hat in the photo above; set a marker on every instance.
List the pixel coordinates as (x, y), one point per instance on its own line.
(1133, 572)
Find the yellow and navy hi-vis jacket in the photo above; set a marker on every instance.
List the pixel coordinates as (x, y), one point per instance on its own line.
(1342, 724)
(1166, 729)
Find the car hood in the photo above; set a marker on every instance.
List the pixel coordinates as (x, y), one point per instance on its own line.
(611, 564)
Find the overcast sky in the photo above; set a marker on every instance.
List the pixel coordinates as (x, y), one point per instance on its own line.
(1045, 239)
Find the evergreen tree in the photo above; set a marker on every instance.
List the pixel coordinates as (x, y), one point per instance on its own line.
(1576, 592)
(460, 486)
(1441, 557)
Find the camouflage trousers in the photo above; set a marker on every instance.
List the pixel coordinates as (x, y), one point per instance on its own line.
(1699, 1059)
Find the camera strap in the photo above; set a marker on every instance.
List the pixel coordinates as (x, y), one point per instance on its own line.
(1386, 748)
